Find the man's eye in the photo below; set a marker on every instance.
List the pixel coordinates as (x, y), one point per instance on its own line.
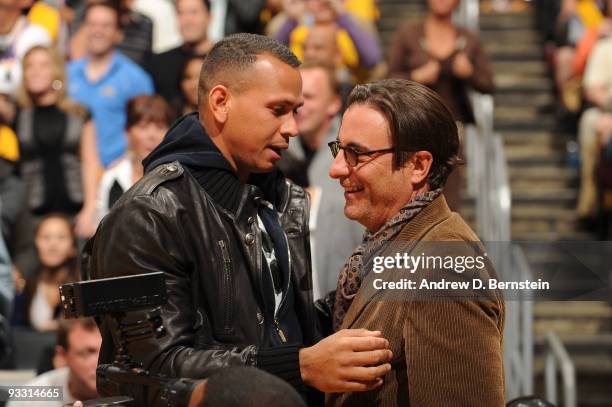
(279, 110)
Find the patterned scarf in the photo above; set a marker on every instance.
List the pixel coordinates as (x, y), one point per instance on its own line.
(354, 272)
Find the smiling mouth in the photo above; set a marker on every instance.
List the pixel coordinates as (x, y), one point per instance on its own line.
(352, 190)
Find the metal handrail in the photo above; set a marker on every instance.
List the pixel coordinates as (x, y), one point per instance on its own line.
(526, 346)
(557, 352)
(467, 15)
(488, 183)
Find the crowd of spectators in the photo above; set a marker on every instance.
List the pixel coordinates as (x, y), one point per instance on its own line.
(578, 34)
(89, 87)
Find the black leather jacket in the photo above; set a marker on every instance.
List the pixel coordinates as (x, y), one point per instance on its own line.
(212, 258)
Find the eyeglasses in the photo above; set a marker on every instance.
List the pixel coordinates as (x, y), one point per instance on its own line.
(351, 156)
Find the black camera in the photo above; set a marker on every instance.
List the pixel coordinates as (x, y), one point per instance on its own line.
(111, 299)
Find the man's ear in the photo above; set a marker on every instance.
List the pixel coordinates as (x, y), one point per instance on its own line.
(335, 106)
(421, 162)
(119, 37)
(59, 358)
(219, 101)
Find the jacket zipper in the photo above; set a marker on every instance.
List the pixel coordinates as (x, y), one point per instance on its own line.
(227, 279)
(288, 284)
(281, 334)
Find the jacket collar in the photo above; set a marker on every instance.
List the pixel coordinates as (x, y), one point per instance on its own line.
(414, 231)
(188, 143)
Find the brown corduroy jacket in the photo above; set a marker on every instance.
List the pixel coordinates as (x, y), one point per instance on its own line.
(445, 352)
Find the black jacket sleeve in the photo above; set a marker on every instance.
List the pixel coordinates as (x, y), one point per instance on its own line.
(144, 235)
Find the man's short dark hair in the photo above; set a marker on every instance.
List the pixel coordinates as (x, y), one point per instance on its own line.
(235, 54)
(113, 5)
(419, 121)
(67, 325)
(205, 2)
(249, 387)
(329, 70)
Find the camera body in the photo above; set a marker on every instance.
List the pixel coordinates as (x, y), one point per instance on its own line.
(111, 299)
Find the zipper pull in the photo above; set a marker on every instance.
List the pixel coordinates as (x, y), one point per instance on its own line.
(281, 334)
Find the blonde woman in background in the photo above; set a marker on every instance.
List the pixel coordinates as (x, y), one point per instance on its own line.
(58, 161)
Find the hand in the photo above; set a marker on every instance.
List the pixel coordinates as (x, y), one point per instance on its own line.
(7, 109)
(427, 74)
(462, 67)
(85, 225)
(18, 280)
(295, 9)
(603, 128)
(349, 360)
(605, 28)
(198, 394)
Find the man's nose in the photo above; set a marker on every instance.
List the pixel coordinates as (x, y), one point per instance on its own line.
(339, 168)
(289, 127)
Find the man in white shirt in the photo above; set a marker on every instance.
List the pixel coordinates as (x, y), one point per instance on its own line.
(595, 122)
(76, 359)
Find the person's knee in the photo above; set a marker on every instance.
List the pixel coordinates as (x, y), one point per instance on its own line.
(587, 135)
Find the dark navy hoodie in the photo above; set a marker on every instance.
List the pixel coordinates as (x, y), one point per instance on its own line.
(188, 143)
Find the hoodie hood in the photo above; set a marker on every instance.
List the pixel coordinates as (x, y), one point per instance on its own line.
(188, 143)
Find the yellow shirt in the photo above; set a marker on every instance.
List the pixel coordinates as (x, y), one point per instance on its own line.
(365, 9)
(47, 17)
(589, 13)
(350, 57)
(9, 146)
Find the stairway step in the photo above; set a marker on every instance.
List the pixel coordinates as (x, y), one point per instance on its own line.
(543, 122)
(529, 227)
(585, 365)
(526, 113)
(523, 67)
(573, 236)
(544, 195)
(543, 173)
(542, 184)
(577, 343)
(513, 80)
(522, 153)
(505, 85)
(506, 22)
(401, 10)
(536, 137)
(510, 37)
(529, 213)
(573, 309)
(515, 48)
(391, 23)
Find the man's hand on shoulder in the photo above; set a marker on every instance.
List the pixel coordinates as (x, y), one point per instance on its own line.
(349, 360)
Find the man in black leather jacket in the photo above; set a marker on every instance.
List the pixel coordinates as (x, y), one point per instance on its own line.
(231, 234)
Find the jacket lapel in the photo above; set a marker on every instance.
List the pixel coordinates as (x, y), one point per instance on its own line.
(413, 232)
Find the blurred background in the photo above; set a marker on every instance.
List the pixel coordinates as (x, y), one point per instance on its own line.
(89, 87)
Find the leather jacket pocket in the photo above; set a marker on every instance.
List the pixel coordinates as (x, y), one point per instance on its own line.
(226, 291)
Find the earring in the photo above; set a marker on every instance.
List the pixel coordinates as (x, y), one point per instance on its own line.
(57, 85)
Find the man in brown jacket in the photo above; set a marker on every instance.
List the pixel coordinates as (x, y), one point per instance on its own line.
(397, 144)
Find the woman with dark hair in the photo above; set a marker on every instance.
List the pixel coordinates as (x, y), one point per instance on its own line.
(148, 120)
(447, 59)
(189, 84)
(58, 162)
(58, 264)
(442, 56)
